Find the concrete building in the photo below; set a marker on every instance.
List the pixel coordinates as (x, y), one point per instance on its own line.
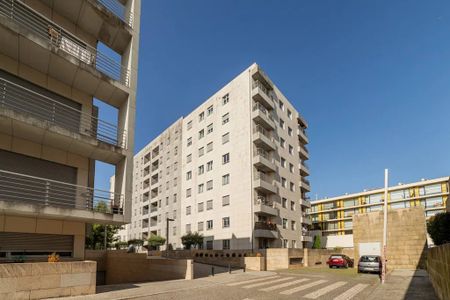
(332, 218)
(52, 67)
(234, 170)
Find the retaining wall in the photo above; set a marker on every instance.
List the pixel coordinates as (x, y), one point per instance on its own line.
(438, 267)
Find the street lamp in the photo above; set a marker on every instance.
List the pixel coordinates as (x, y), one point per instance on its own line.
(167, 233)
(384, 254)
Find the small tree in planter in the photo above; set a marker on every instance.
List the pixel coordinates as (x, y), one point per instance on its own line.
(192, 239)
(316, 244)
(438, 227)
(154, 241)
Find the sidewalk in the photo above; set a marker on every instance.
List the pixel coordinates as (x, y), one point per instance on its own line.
(405, 284)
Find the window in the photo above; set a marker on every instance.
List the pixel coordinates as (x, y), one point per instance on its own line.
(351, 202)
(225, 99)
(283, 162)
(209, 185)
(201, 151)
(201, 134)
(200, 226)
(282, 143)
(371, 199)
(289, 113)
(292, 205)
(430, 189)
(209, 165)
(225, 138)
(176, 150)
(291, 168)
(292, 187)
(209, 224)
(189, 158)
(226, 244)
(289, 131)
(174, 198)
(226, 179)
(226, 222)
(210, 110)
(225, 118)
(188, 228)
(281, 123)
(291, 150)
(189, 125)
(201, 116)
(225, 158)
(284, 202)
(200, 188)
(188, 193)
(189, 141)
(348, 224)
(226, 200)
(434, 202)
(174, 215)
(201, 170)
(283, 182)
(209, 245)
(189, 175)
(167, 201)
(200, 207)
(293, 225)
(188, 210)
(209, 205)
(281, 105)
(285, 223)
(209, 147)
(209, 128)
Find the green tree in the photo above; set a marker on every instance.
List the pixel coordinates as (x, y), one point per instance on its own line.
(316, 244)
(438, 227)
(95, 239)
(192, 239)
(154, 241)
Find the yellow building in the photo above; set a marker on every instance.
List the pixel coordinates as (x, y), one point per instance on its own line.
(333, 216)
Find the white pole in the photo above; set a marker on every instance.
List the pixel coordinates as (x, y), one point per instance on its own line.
(384, 257)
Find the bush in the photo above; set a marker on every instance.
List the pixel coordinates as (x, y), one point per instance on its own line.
(136, 242)
(154, 241)
(438, 227)
(120, 245)
(316, 244)
(192, 239)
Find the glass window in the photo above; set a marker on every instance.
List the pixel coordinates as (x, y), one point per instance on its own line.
(209, 224)
(200, 226)
(209, 205)
(351, 202)
(285, 222)
(371, 199)
(225, 158)
(189, 125)
(209, 128)
(209, 147)
(226, 179)
(188, 210)
(189, 158)
(226, 244)
(188, 228)
(210, 110)
(189, 175)
(225, 118)
(209, 185)
(200, 188)
(209, 165)
(430, 189)
(402, 204)
(348, 224)
(201, 116)
(226, 200)
(189, 141)
(433, 202)
(201, 151)
(200, 207)
(225, 138)
(225, 99)
(201, 134)
(226, 222)
(201, 170)
(188, 193)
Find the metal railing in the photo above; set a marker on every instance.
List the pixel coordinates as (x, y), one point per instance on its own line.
(263, 110)
(263, 153)
(119, 10)
(16, 187)
(264, 177)
(264, 200)
(153, 209)
(258, 84)
(61, 39)
(20, 99)
(263, 131)
(265, 226)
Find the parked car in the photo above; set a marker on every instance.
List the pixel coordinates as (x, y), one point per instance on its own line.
(339, 260)
(369, 263)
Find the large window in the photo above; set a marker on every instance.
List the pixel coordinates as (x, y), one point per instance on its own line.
(433, 202)
(430, 189)
(350, 202)
(372, 199)
(398, 205)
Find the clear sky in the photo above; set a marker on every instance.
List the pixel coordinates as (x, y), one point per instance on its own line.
(370, 77)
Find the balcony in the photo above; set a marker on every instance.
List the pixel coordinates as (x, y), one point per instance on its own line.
(155, 179)
(306, 238)
(52, 50)
(304, 185)
(262, 116)
(305, 203)
(264, 183)
(263, 139)
(153, 209)
(57, 124)
(265, 206)
(153, 221)
(265, 230)
(263, 160)
(261, 94)
(304, 169)
(302, 137)
(303, 153)
(306, 220)
(36, 196)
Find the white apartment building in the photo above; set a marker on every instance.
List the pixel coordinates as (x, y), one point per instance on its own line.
(53, 70)
(240, 171)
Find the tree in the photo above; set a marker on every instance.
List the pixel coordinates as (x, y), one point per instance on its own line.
(95, 239)
(316, 244)
(438, 227)
(154, 241)
(192, 239)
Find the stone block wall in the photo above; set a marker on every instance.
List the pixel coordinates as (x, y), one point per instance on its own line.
(438, 267)
(255, 263)
(406, 236)
(47, 280)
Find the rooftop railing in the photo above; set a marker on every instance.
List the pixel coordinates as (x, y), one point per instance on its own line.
(16, 187)
(60, 38)
(119, 10)
(20, 99)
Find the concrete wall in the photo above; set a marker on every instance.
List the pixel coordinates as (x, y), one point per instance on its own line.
(255, 263)
(122, 267)
(438, 267)
(47, 280)
(406, 243)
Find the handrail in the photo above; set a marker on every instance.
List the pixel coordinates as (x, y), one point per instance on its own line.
(63, 40)
(21, 99)
(48, 192)
(119, 10)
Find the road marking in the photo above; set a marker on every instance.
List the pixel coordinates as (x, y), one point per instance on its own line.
(352, 292)
(283, 285)
(266, 283)
(252, 280)
(302, 287)
(327, 289)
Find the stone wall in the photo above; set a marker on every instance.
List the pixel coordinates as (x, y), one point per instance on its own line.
(255, 263)
(406, 241)
(438, 267)
(47, 280)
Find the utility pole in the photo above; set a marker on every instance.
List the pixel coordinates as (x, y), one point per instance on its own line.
(384, 256)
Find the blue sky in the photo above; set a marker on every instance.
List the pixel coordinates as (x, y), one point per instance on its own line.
(371, 78)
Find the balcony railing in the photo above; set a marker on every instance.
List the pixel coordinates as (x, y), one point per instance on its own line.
(153, 209)
(61, 39)
(264, 177)
(258, 84)
(263, 110)
(263, 153)
(264, 200)
(119, 10)
(263, 131)
(23, 100)
(16, 187)
(265, 226)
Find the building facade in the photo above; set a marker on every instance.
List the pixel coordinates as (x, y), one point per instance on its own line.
(240, 171)
(333, 218)
(55, 82)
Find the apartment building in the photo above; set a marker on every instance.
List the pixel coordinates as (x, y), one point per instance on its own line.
(58, 71)
(332, 217)
(241, 171)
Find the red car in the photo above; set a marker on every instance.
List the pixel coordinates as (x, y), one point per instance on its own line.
(340, 260)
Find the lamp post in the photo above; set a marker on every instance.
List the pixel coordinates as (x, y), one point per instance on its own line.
(384, 258)
(167, 233)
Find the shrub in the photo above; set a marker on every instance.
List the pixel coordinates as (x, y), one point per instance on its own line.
(192, 239)
(154, 241)
(136, 242)
(53, 257)
(120, 245)
(316, 244)
(438, 227)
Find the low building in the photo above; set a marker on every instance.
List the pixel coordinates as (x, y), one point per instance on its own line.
(332, 218)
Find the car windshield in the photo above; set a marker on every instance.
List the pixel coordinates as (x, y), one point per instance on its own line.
(370, 259)
(335, 256)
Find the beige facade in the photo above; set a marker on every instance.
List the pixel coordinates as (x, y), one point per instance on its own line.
(240, 172)
(52, 67)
